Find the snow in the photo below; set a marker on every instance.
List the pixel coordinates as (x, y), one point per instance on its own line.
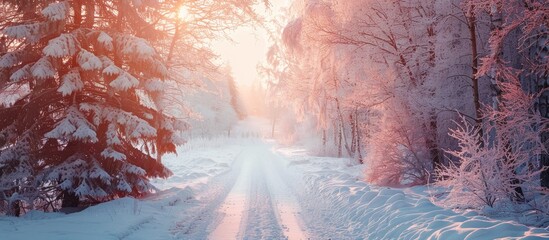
(88, 61)
(13, 93)
(22, 73)
(112, 70)
(154, 84)
(43, 69)
(63, 46)
(10, 59)
(112, 135)
(70, 82)
(251, 188)
(73, 125)
(31, 32)
(340, 205)
(137, 49)
(105, 40)
(123, 82)
(111, 153)
(56, 11)
(135, 127)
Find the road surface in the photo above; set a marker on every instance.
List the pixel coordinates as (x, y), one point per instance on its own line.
(254, 200)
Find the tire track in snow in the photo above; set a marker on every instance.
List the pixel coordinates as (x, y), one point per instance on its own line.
(261, 204)
(284, 195)
(196, 222)
(262, 222)
(231, 211)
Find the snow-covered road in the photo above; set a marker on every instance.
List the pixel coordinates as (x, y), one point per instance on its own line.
(261, 204)
(253, 199)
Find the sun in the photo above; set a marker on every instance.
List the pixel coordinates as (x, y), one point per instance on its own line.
(184, 14)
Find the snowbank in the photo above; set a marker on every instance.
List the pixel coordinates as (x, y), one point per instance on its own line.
(118, 219)
(155, 217)
(339, 205)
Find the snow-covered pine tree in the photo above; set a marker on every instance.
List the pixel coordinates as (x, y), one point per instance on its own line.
(81, 111)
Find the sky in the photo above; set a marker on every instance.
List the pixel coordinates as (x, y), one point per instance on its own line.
(249, 47)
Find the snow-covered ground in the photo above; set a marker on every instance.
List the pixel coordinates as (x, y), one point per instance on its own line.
(249, 188)
(337, 204)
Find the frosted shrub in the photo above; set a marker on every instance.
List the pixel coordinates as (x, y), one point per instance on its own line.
(397, 157)
(481, 176)
(502, 166)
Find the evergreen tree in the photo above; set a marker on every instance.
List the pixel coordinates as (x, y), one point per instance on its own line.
(81, 103)
(236, 101)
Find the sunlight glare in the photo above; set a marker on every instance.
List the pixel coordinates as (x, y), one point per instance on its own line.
(244, 53)
(184, 13)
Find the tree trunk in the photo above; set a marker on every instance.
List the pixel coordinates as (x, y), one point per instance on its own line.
(339, 154)
(69, 199)
(77, 13)
(432, 142)
(352, 122)
(543, 107)
(358, 144)
(342, 130)
(324, 141)
(15, 208)
(472, 26)
(90, 14)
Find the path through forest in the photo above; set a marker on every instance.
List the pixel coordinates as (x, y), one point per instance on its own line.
(260, 204)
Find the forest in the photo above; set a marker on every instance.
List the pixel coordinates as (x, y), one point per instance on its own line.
(451, 93)
(449, 98)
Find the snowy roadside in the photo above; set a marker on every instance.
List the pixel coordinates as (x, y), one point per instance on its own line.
(337, 204)
(154, 217)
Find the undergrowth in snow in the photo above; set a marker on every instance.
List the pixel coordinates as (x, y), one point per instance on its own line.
(338, 204)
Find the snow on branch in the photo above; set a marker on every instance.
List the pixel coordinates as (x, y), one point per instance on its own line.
(112, 135)
(74, 126)
(88, 61)
(22, 31)
(106, 41)
(111, 153)
(31, 32)
(493, 166)
(134, 48)
(97, 172)
(124, 186)
(112, 70)
(124, 81)
(21, 74)
(65, 45)
(70, 82)
(132, 169)
(291, 35)
(10, 59)
(56, 11)
(43, 69)
(13, 93)
(134, 127)
(155, 85)
(73, 166)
